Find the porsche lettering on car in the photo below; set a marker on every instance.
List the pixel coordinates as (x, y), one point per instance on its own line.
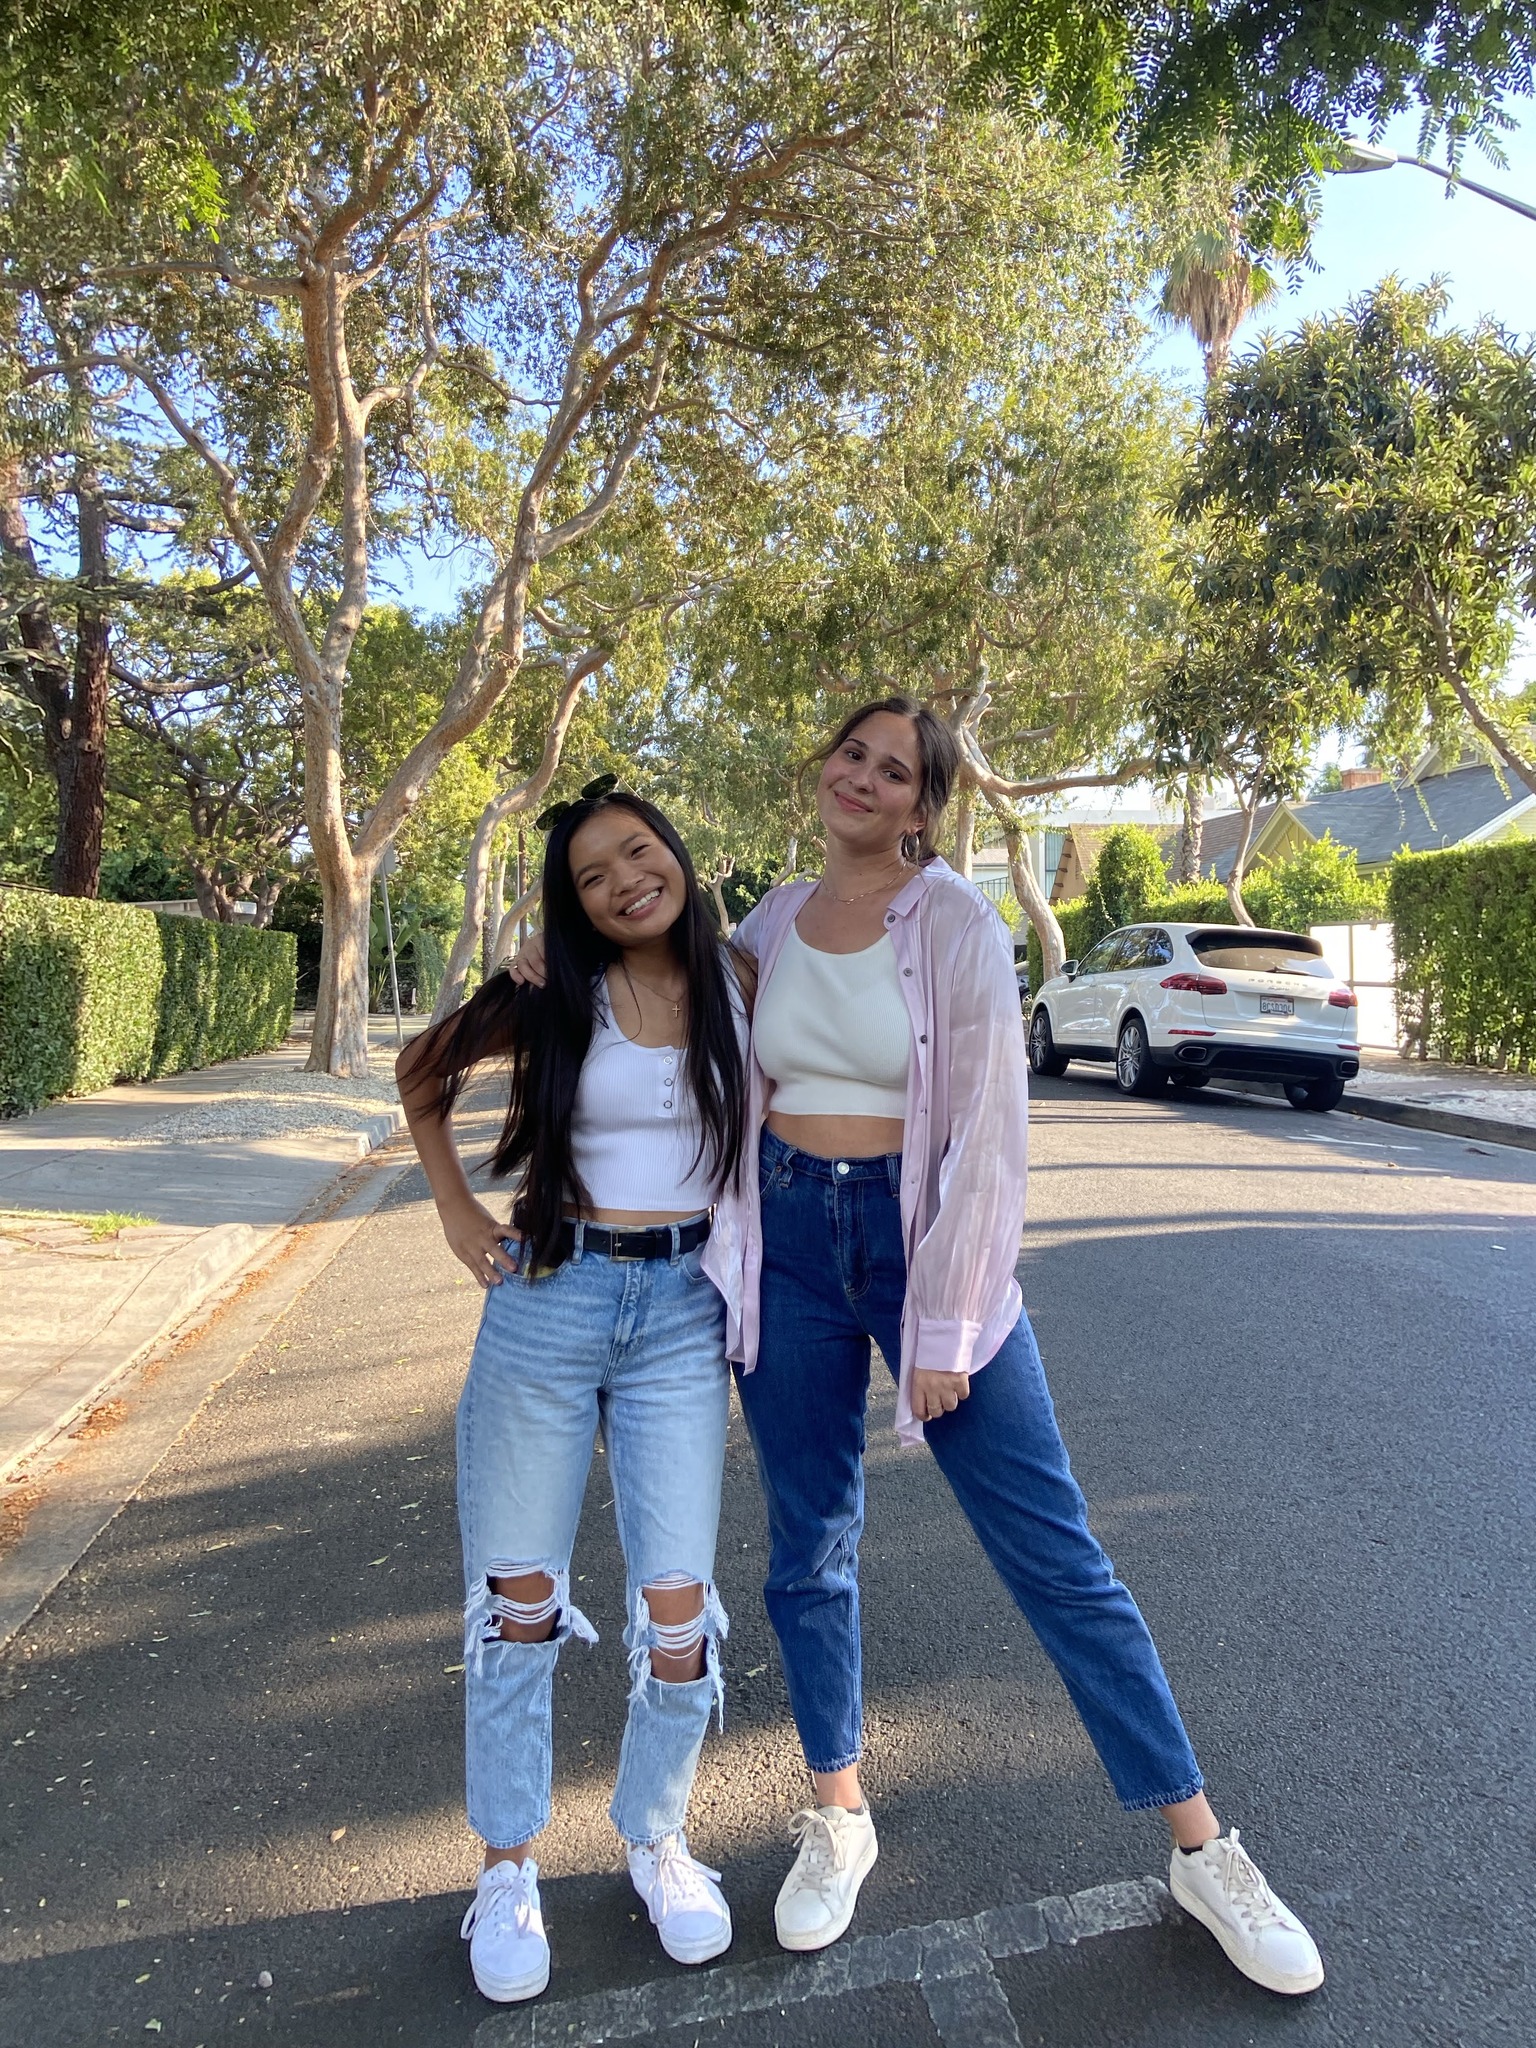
(1186, 1004)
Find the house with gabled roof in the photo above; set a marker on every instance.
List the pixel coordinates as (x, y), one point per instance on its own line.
(1470, 805)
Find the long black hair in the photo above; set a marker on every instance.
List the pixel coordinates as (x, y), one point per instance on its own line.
(545, 1033)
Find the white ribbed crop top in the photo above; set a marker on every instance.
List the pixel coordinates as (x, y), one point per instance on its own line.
(635, 1125)
(831, 1031)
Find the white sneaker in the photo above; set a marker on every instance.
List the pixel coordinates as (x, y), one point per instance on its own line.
(504, 1927)
(683, 1898)
(1225, 1891)
(816, 1900)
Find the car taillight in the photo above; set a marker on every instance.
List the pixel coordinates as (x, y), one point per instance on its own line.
(1197, 984)
(1343, 999)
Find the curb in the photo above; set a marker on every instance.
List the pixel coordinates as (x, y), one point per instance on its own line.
(1410, 1115)
(166, 1296)
(1448, 1122)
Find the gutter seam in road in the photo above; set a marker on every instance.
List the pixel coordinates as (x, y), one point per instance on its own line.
(950, 1961)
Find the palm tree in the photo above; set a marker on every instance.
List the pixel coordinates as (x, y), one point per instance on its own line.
(1211, 287)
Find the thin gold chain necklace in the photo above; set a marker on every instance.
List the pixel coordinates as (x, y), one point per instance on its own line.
(676, 1007)
(859, 896)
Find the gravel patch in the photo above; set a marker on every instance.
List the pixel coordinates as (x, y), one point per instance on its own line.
(274, 1105)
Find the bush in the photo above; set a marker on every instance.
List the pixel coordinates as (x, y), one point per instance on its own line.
(1126, 877)
(92, 993)
(1465, 935)
(228, 990)
(79, 995)
(1321, 883)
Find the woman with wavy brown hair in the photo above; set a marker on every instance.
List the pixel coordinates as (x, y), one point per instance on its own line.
(882, 1202)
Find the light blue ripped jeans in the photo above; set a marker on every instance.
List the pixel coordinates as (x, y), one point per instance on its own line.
(635, 1349)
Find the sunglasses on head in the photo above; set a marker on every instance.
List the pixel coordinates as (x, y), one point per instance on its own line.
(600, 785)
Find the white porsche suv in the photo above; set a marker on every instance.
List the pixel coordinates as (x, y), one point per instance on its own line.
(1188, 1003)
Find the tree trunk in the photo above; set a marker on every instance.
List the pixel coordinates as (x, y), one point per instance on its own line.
(340, 1042)
(83, 768)
(266, 893)
(490, 929)
(1192, 831)
(965, 831)
(716, 889)
(514, 926)
(1033, 901)
(1450, 667)
(206, 889)
(522, 885)
(477, 866)
(1239, 866)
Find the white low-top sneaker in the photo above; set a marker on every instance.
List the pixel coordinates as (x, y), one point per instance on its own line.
(683, 1898)
(508, 1952)
(816, 1900)
(1226, 1892)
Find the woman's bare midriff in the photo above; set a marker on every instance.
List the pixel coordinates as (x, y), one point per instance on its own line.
(639, 1219)
(839, 1137)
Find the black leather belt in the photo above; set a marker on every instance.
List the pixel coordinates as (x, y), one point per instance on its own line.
(655, 1241)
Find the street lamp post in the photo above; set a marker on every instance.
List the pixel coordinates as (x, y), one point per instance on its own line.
(1370, 156)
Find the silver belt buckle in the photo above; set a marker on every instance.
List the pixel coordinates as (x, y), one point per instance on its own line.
(626, 1258)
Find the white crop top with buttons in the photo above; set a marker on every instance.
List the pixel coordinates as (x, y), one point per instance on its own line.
(831, 1031)
(635, 1125)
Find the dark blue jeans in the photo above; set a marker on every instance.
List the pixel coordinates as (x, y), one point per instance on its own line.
(834, 1275)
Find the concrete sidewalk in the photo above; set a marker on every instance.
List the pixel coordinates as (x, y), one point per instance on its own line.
(122, 1211)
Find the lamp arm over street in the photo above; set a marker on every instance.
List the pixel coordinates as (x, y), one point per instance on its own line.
(1370, 156)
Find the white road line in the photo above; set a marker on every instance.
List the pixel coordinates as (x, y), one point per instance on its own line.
(950, 1959)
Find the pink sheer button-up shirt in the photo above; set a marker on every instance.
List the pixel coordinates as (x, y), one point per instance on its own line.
(965, 1144)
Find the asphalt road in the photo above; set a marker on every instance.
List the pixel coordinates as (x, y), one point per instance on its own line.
(1293, 1360)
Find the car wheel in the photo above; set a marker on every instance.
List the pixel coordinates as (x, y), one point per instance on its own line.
(1317, 1095)
(1134, 1070)
(1043, 1056)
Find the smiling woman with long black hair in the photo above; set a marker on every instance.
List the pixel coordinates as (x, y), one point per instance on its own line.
(624, 1121)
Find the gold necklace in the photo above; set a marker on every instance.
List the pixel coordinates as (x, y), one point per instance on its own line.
(888, 883)
(676, 1007)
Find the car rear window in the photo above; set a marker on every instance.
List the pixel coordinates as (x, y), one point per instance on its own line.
(1262, 952)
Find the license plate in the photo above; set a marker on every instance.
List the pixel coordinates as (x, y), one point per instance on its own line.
(1277, 1006)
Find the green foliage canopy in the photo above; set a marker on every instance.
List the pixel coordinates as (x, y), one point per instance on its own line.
(1364, 504)
(1279, 83)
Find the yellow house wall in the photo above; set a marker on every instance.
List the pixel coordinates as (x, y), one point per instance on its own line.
(1282, 836)
(1521, 826)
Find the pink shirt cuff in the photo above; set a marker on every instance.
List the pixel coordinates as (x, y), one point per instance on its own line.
(944, 1347)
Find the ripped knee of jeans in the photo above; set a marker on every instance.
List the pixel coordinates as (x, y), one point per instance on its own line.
(680, 1639)
(486, 1609)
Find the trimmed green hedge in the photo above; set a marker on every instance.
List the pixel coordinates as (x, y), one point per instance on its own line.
(79, 989)
(228, 990)
(1465, 933)
(92, 993)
